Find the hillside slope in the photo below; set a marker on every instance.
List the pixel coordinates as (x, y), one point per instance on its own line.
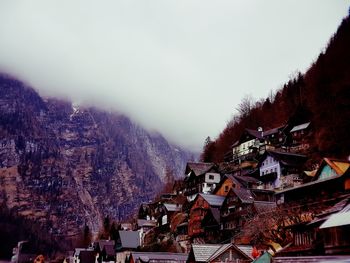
(321, 95)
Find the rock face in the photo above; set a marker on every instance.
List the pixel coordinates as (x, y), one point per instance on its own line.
(66, 166)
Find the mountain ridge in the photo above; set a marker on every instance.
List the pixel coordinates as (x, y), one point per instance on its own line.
(67, 166)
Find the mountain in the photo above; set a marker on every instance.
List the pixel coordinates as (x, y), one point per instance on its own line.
(64, 166)
(321, 95)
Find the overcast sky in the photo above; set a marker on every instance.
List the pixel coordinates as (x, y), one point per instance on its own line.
(177, 67)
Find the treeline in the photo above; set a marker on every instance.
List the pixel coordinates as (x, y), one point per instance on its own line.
(321, 95)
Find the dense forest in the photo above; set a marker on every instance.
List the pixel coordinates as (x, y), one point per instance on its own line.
(321, 95)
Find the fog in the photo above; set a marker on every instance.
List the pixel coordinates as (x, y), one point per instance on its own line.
(176, 67)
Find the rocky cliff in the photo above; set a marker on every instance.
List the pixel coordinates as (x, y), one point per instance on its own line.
(64, 165)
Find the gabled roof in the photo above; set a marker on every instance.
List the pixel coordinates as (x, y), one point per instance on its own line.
(255, 133)
(225, 247)
(158, 256)
(300, 127)
(129, 239)
(244, 195)
(202, 252)
(339, 166)
(213, 200)
(246, 249)
(273, 131)
(338, 219)
(209, 252)
(198, 168)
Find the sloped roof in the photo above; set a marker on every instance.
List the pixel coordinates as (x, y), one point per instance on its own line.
(340, 218)
(287, 158)
(243, 250)
(334, 209)
(339, 166)
(172, 207)
(244, 195)
(246, 249)
(245, 179)
(145, 222)
(199, 168)
(159, 256)
(255, 133)
(300, 127)
(216, 214)
(213, 200)
(129, 239)
(103, 243)
(219, 251)
(202, 252)
(273, 130)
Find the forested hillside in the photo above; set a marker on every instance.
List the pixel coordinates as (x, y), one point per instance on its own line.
(321, 95)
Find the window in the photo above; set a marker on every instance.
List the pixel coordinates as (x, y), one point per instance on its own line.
(226, 188)
(211, 177)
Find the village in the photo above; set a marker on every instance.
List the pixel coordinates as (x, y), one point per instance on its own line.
(261, 205)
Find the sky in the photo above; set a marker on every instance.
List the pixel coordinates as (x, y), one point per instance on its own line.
(179, 67)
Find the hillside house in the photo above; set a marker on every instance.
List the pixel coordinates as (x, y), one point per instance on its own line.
(234, 208)
(300, 136)
(250, 144)
(280, 169)
(275, 137)
(165, 211)
(129, 241)
(200, 178)
(336, 231)
(200, 207)
(332, 178)
(227, 183)
(327, 233)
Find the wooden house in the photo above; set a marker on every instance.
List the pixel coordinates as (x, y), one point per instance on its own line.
(200, 178)
(201, 206)
(327, 233)
(280, 169)
(234, 209)
(336, 231)
(275, 137)
(227, 183)
(250, 144)
(332, 178)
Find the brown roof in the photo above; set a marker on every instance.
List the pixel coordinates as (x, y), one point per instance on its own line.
(198, 168)
(244, 195)
(273, 131)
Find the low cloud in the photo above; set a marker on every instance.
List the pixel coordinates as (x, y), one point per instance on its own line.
(177, 67)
